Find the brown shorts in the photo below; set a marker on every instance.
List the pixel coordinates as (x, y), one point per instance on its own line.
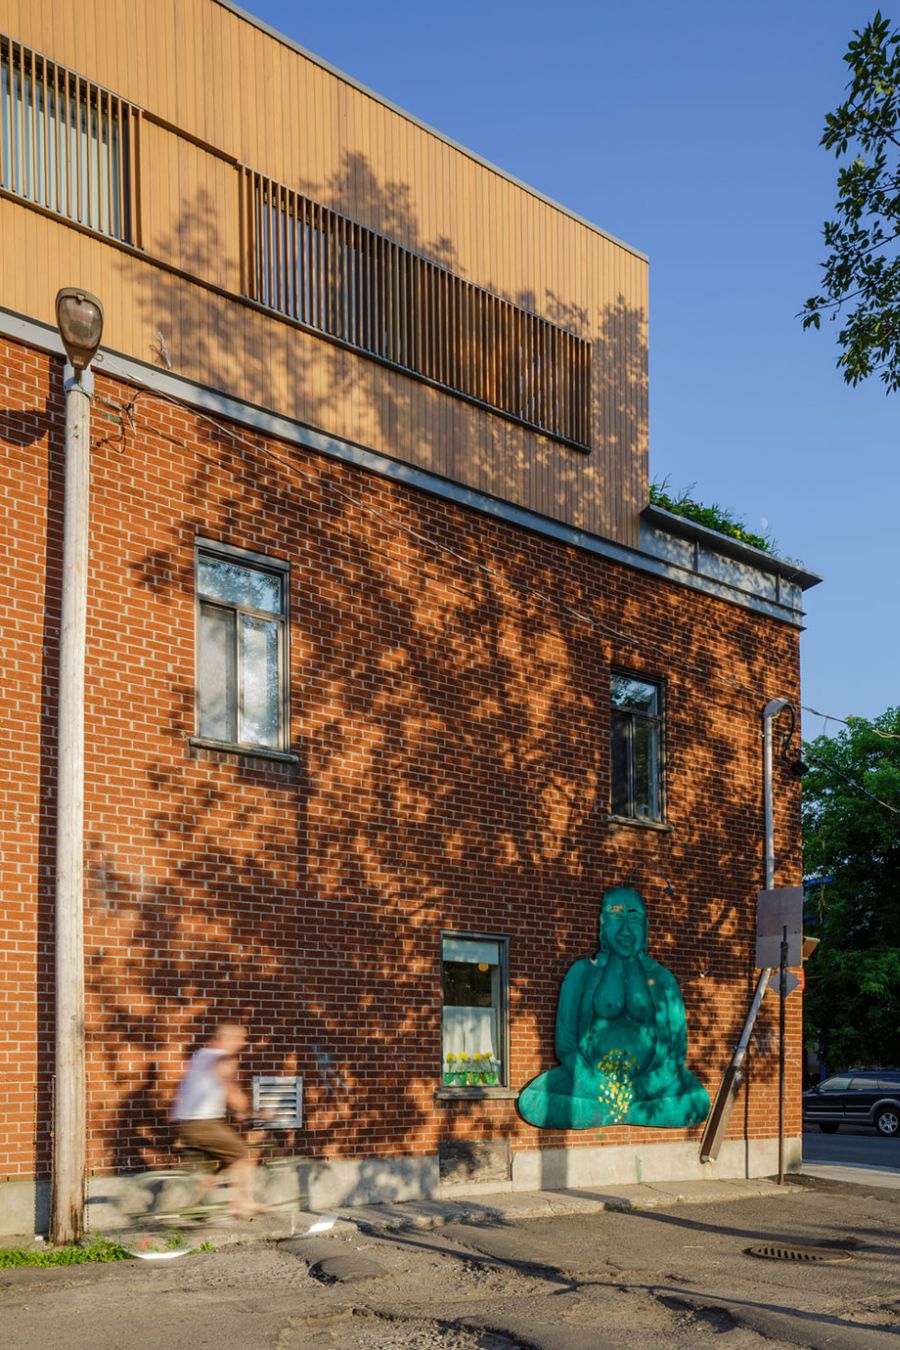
(214, 1137)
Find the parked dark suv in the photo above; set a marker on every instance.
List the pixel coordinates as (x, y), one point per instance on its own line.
(857, 1097)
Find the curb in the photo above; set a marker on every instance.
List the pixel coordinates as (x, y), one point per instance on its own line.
(523, 1206)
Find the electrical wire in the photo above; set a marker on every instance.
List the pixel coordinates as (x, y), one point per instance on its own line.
(830, 717)
(857, 787)
(263, 446)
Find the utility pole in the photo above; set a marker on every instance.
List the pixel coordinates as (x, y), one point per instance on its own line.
(80, 321)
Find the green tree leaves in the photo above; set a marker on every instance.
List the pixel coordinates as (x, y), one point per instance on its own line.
(852, 1005)
(861, 274)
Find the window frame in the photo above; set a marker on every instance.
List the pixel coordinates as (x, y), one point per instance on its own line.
(502, 1088)
(658, 720)
(213, 548)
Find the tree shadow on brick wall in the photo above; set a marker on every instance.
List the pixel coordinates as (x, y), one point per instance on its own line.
(450, 686)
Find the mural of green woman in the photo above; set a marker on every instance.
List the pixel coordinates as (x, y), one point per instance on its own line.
(621, 1037)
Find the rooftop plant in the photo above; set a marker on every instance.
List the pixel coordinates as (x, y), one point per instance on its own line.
(714, 517)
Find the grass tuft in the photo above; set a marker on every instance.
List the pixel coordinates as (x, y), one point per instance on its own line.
(95, 1248)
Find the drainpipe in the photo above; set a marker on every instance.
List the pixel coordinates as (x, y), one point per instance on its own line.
(770, 712)
(731, 1082)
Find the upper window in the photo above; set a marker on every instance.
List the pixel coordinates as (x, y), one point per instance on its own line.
(65, 142)
(242, 648)
(474, 1031)
(342, 279)
(637, 723)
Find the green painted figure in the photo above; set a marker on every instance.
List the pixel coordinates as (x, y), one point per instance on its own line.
(621, 1037)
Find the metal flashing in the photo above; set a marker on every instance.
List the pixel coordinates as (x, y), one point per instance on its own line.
(733, 548)
(45, 337)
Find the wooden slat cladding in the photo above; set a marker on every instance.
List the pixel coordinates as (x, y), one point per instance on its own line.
(335, 276)
(300, 124)
(67, 145)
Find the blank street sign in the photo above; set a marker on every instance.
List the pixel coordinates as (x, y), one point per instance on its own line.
(775, 910)
(791, 982)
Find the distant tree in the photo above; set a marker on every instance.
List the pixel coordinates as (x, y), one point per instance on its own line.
(852, 1004)
(861, 284)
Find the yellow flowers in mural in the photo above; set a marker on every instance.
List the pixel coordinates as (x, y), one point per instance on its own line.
(618, 1091)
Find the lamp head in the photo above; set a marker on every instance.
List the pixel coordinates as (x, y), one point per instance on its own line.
(79, 317)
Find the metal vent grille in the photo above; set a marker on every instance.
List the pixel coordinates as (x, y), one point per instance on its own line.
(330, 274)
(779, 1253)
(67, 144)
(283, 1097)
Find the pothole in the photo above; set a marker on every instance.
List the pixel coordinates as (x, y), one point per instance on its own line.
(692, 1311)
(348, 1329)
(775, 1251)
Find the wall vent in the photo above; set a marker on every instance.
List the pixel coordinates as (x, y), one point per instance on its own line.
(283, 1097)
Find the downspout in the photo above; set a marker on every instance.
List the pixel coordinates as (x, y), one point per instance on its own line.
(770, 712)
(731, 1082)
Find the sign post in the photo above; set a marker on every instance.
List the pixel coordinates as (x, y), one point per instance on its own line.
(782, 995)
(779, 944)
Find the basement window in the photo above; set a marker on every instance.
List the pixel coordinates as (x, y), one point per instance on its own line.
(66, 144)
(637, 748)
(474, 1013)
(242, 693)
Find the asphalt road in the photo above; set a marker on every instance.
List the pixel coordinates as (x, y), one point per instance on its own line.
(679, 1277)
(859, 1148)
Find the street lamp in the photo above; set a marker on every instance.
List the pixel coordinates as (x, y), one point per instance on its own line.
(79, 316)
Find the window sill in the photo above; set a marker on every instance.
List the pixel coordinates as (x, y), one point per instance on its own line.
(475, 1093)
(638, 822)
(245, 751)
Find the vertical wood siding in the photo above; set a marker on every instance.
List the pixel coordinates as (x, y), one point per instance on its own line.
(297, 124)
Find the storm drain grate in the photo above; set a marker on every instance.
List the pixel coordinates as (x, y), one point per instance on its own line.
(778, 1253)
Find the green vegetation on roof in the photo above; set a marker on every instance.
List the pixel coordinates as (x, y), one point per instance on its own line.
(714, 517)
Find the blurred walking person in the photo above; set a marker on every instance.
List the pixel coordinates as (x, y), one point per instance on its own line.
(208, 1092)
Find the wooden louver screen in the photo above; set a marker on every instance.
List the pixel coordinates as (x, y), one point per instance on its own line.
(332, 275)
(67, 144)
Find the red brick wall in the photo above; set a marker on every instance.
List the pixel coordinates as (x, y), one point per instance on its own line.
(452, 730)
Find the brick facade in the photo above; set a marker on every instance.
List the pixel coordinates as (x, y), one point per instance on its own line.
(449, 714)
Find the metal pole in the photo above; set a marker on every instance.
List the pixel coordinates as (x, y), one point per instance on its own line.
(782, 995)
(770, 712)
(69, 1116)
(734, 1074)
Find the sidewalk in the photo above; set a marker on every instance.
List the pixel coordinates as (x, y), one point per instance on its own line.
(856, 1174)
(517, 1206)
(507, 1207)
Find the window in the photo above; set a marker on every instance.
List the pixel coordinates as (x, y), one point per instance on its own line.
(474, 1030)
(332, 275)
(241, 648)
(636, 748)
(835, 1085)
(65, 143)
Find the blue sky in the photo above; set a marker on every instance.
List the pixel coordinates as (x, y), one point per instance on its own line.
(691, 131)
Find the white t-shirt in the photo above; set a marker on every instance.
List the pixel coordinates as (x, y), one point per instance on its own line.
(201, 1092)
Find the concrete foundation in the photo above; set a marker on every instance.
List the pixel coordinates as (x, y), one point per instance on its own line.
(332, 1183)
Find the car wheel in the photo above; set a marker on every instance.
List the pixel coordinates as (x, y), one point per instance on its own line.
(887, 1121)
(828, 1126)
